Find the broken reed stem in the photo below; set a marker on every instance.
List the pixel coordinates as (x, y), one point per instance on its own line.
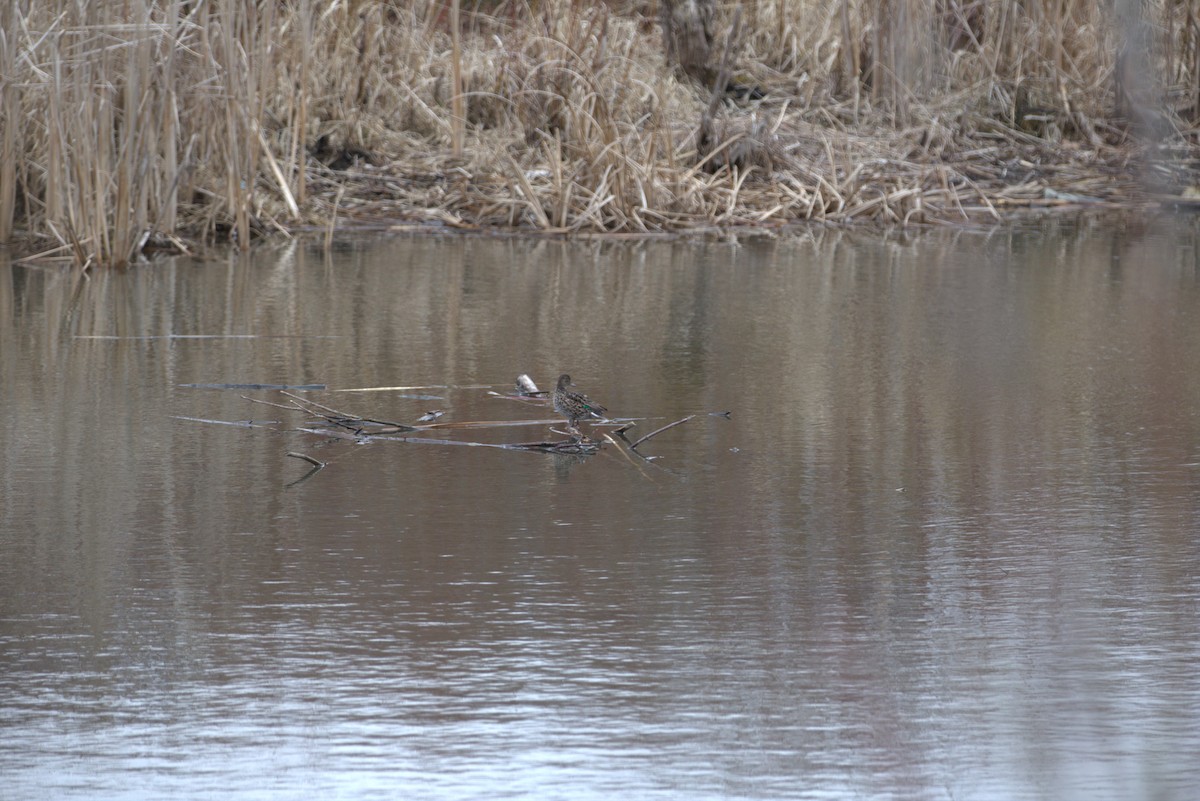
(658, 431)
(458, 111)
(297, 153)
(9, 121)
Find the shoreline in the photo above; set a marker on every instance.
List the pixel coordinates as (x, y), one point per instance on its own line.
(180, 124)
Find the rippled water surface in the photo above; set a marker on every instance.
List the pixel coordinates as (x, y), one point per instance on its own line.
(946, 546)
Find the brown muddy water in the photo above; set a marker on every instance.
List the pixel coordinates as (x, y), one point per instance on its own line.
(946, 546)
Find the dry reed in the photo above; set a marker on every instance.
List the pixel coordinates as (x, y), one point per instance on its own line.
(150, 123)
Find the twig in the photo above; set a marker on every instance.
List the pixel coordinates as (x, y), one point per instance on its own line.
(574, 446)
(308, 402)
(660, 430)
(253, 386)
(239, 423)
(291, 407)
(315, 462)
(460, 424)
(340, 418)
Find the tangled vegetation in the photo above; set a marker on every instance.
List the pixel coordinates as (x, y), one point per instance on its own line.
(126, 127)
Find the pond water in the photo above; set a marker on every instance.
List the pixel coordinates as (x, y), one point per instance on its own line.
(945, 546)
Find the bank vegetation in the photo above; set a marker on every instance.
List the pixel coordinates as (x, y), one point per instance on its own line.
(146, 124)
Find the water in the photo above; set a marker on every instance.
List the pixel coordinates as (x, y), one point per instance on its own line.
(945, 547)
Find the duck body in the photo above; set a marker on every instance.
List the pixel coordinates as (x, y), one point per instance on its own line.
(573, 405)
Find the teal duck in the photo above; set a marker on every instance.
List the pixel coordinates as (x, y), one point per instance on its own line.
(572, 405)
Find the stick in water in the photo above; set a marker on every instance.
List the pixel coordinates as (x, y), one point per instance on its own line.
(660, 430)
(307, 458)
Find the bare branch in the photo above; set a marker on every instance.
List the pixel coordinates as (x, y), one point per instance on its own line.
(315, 462)
(660, 430)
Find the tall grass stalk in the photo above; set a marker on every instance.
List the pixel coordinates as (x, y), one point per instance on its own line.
(458, 106)
(10, 104)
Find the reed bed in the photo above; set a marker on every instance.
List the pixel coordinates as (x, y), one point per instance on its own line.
(127, 127)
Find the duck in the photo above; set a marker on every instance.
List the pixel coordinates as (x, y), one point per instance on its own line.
(573, 405)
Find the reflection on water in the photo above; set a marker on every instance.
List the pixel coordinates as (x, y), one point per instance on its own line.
(944, 548)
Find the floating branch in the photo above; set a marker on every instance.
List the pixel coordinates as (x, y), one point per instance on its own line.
(565, 446)
(315, 462)
(297, 387)
(316, 469)
(656, 432)
(208, 336)
(399, 389)
(291, 407)
(577, 446)
(359, 427)
(526, 399)
(340, 424)
(342, 419)
(484, 424)
(238, 423)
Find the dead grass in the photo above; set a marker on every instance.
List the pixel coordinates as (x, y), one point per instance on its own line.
(152, 123)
